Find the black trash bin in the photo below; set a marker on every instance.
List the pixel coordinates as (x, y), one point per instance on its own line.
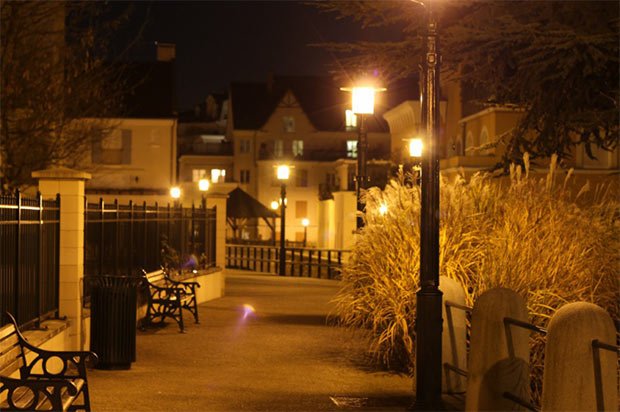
(113, 320)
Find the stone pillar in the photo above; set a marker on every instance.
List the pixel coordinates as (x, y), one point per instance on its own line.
(70, 185)
(454, 335)
(219, 201)
(499, 354)
(578, 375)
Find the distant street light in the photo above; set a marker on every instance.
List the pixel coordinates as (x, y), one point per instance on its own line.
(305, 222)
(175, 192)
(415, 147)
(363, 103)
(275, 204)
(283, 173)
(203, 186)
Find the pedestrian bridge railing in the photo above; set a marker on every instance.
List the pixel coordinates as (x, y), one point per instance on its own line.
(486, 354)
(299, 261)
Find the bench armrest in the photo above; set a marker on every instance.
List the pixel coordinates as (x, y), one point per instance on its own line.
(188, 287)
(73, 363)
(50, 390)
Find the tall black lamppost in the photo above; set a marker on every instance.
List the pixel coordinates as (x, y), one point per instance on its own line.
(363, 99)
(429, 297)
(283, 172)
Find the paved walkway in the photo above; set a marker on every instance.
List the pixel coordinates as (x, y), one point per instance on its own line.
(281, 358)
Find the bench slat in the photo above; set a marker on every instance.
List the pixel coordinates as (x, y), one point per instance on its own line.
(9, 342)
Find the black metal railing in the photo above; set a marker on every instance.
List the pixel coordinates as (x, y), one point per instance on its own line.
(29, 257)
(123, 239)
(299, 261)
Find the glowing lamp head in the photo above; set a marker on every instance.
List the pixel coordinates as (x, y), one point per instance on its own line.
(383, 209)
(275, 204)
(175, 192)
(363, 100)
(203, 185)
(415, 147)
(283, 172)
(305, 222)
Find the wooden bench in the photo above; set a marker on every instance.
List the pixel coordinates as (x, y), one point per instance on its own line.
(167, 298)
(53, 380)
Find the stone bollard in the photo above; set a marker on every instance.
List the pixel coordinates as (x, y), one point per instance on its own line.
(454, 335)
(578, 375)
(499, 354)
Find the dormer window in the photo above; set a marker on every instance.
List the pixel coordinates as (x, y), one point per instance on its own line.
(288, 124)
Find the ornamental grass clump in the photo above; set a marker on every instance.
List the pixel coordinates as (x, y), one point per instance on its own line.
(529, 234)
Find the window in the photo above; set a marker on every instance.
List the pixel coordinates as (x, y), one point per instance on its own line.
(198, 174)
(278, 148)
(298, 148)
(350, 119)
(288, 124)
(330, 180)
(218, 175)
(301, 209)
(302, 177)
(114, 149)
(352, 149)
(244, 176)
(245, 146)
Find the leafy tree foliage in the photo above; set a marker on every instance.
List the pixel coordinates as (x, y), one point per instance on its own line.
(556, 59)
(54, 71)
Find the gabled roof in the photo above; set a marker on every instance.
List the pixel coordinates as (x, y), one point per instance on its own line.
(320, 98)
(241, 205)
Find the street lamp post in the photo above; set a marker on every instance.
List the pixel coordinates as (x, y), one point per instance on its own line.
(203, 186)
(429, 297)
(283, 172)
(363, 99)
(305, 222)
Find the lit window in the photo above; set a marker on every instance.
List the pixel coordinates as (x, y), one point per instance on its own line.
(298, 148)
(198, 174)
(350, 119)
(278, 148)
(245, 146)
(244, 176)
(218, 175)
(352, 148)
(288, 124)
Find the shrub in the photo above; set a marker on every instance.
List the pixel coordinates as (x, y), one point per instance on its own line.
(527, 234)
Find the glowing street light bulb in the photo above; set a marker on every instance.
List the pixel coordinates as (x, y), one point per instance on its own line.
(305, 222)
(203, 185)
(363, 100)
(383, 209)
(283, 172)
(175, 192)
(415, 147)
(275, 204)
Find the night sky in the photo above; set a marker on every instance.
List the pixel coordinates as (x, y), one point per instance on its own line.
(220, 42)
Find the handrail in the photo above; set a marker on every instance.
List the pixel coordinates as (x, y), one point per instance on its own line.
(458, 306)
(456, 369)
(521, 402)
(526, 325)
(607, 346)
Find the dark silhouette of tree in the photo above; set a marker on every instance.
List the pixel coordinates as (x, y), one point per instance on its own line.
(556, 59)
(55, 73)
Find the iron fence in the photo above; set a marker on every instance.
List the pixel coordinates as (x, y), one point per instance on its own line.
(29, 257)
(123, 239)
(299, 261)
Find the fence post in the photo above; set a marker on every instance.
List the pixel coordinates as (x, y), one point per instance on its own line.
(454, 335)
(16, 273)
(70, 185)
(499, 354)
(219, 201)
(579, 375)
